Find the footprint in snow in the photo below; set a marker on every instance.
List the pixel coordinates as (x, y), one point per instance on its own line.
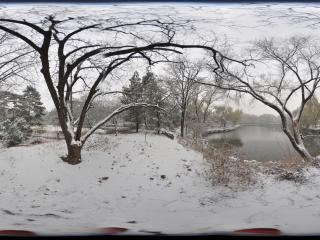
(48, 215)
(132, 222)
(66, 211)
(9, 212)
(101, 179)
(35, 206)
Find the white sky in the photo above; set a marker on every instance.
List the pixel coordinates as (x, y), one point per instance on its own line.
(239, 23)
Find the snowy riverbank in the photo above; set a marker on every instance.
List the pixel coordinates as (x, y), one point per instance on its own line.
(152, 185)
(209, 131)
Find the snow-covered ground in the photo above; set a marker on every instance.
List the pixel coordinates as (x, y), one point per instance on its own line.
(142, 183)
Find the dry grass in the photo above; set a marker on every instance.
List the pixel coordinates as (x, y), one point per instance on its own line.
(289, 169)
(229, 169)
(226, 167)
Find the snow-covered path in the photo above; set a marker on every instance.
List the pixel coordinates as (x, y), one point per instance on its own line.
(152, 185)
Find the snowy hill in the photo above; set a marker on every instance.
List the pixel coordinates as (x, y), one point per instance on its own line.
(141, 183)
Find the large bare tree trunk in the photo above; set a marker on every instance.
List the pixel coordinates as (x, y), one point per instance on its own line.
(298, 144)
(74, 147)
(74, 154)
(295, 137)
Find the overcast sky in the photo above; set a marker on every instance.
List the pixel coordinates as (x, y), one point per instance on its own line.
(239, 23)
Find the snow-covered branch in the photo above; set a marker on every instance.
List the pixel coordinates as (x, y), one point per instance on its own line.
(114, 113)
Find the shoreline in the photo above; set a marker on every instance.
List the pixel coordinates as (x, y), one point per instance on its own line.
(208, 132)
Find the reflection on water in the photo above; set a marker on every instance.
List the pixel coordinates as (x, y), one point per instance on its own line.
(261, 143)
(226, 142)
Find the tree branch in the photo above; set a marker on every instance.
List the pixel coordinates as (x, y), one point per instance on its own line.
(114, 113)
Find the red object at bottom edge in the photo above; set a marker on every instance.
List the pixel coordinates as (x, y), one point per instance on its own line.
(264, 231)
(17, 233)
(112, 230)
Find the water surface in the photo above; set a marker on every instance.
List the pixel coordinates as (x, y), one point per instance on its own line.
(262, 143)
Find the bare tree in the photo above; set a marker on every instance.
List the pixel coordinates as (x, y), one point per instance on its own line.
(182, 77)
(15, 62)
(202, 101)
(62, 46)
(297, 77)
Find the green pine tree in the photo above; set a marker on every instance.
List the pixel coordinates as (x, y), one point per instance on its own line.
(152, 93)
(33, 107)
(133, 94)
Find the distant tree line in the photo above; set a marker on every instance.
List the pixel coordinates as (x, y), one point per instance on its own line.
(263, 119)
